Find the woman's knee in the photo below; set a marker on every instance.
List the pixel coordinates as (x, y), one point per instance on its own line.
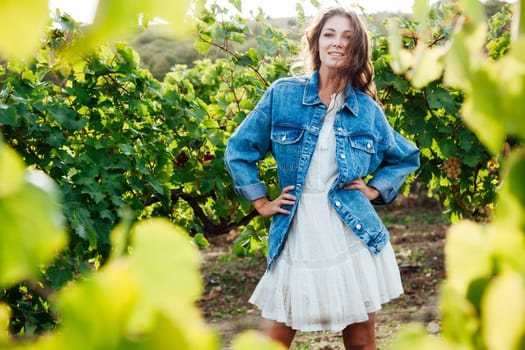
(360, 335)
(278, 331)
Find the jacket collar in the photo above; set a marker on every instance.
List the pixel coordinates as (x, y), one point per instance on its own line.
(311, 94)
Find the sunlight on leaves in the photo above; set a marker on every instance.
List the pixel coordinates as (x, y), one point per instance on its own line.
(254, 340)
(462, 268)
(466, 54)
(415, 337)
(511, 73)
(420, 11)
(32, 228)
(166, 265)
(428, 66)
(112, 293)
(237, 4)
(5, 314)
(474, 9)
(146, 299)
(518, 25)
(459, 317)
(481, 108)
(12, 169)
(118, 19)
(402, 59)
(163, 268)
(516, 174)
(120, 235)
(22, 24)
(504, 312)
(511, 211)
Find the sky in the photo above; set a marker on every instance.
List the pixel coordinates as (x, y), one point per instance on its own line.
(84, 10)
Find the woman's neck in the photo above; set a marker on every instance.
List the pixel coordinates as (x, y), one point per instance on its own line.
(329, 84)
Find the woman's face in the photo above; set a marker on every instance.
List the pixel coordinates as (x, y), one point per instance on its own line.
(333, 41)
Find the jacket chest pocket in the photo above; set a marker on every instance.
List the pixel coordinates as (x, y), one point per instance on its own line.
(363, 150)
(287, 146)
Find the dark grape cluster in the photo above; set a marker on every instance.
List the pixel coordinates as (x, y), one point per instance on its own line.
(452, 167)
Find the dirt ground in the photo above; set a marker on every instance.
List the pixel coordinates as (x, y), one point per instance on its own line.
(417, 227)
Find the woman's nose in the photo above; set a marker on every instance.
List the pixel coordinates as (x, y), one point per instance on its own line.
(338, 42)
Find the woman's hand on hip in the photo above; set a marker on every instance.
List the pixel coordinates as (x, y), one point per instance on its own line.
(267, 208)
(358, 184)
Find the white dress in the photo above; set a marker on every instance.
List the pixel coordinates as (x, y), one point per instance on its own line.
(325, 277)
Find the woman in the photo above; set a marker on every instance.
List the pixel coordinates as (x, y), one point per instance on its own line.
(330, 263)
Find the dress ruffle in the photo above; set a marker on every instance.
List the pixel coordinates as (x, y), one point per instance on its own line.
(309, 290)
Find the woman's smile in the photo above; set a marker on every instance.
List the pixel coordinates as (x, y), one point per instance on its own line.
(333, 41)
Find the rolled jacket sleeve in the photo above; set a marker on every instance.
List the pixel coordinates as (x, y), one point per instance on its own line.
(400, 159)
(246, 147)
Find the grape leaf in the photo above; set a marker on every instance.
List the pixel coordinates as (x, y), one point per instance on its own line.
(30, 18)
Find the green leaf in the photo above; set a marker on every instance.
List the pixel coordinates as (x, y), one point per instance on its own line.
(206, 185)
(255, 340)
(12, 170)
(481, 111)
(515, 175)
(465, 55)
(22, 24)
(147, 298)
(504, 312)
(58, 276)
(237, 4)
(56, 138)
(247, 104)
(420, 10)
(510, 73)
(163, 260)
(127, 149)
(518, 29)
(401, 58)
(440, 98)
(459, 318)
(415, 337)
(113, 293)
(117, 19)
(67, 117)
(511, 209)
(23, 249)
(461, 267)
(245, 60)
(8, 115)
(474, 9)
(5, 315)
(200, 240)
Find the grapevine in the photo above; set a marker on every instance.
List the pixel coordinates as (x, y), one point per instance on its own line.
(452, 167)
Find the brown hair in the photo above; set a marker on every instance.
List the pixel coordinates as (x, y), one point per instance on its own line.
(358, 70)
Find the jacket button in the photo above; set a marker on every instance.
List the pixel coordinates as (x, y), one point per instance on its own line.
(369, 145)
(358, 226)
(337, 204)
(341, 185)
(339, 129)
(343, 156)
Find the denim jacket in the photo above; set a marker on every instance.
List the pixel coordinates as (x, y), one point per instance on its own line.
(286, 122)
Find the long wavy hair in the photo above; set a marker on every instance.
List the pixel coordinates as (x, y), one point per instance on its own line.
(358, 70)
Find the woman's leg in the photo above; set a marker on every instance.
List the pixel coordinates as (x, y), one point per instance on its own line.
(278, 331)
(361, 336)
